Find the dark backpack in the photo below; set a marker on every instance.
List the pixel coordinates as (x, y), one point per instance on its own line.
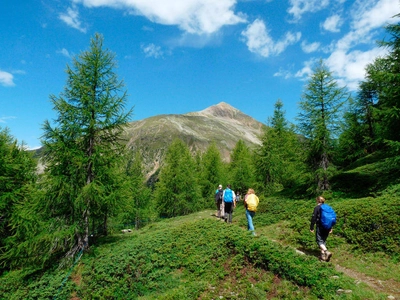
(328, 216)
(218, 195)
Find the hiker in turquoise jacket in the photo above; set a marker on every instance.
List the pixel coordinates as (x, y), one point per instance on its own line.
(218, 201)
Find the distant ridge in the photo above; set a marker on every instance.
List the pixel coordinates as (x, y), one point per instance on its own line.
(221, 123)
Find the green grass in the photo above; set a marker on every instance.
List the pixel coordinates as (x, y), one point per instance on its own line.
(191, 257)
(370, 176)
(199, 257)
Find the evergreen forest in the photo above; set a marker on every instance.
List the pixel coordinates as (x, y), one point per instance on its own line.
(92, 227)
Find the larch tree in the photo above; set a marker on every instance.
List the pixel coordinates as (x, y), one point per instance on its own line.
(136, 191)
(384, 73)
(212, 172)
(279, 157)
(177, 192)
(82, 155)
(241, 168)
(359, 133)
(320, 121)
(17, 178)
(373, 123)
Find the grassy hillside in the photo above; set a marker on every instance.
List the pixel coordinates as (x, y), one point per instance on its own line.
(370, 176)
(199, 257)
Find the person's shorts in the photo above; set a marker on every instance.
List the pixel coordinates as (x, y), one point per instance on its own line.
(321, 235)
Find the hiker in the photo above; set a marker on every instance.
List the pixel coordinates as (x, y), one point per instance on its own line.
(321, 233)
(229, 203)
(237, 197)
(250, 203)
(218, 201)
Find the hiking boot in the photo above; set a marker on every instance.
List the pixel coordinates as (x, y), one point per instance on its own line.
(328, 255)
(323, 256)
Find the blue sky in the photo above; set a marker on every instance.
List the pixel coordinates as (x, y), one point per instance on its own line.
(180, 56)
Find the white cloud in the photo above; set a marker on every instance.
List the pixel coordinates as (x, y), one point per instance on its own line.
(6, 79)
(371, 14)
(19, 72)
(332, 23)
(368, 15)
(33, 148)
(191, 16)
(147, 28)
(308, 48)
(64, 52)
(307, 70)
(71, 18)
(4, 119)
(194, 40)
(348, 58)
(259, 41)
(299, 7)
(350, 66)
(283, 73)
(152, 50)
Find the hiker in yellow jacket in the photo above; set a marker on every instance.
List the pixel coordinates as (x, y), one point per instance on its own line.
(250, 203)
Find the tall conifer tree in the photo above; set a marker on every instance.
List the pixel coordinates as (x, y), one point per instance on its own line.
(384, 75)
(212, 173)
(136, 191)
(241, 168)
(279, 158)
(373, 122)
(319, 120)
(82, 157)
(17, 174)
(359, 134)
(177, 192)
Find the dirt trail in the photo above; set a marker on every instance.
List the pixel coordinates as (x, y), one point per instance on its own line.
(390, 287)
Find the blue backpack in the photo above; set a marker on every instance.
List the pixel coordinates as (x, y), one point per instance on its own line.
(328, 216)
(228, 195)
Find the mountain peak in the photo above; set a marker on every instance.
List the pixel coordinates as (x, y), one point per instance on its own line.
(220, 123)
(219, 110)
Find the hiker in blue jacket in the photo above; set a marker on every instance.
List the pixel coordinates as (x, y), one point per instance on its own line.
(321, 233)
(229, 203)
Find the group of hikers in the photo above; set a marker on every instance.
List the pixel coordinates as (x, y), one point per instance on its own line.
(323, 217)
(226, 200)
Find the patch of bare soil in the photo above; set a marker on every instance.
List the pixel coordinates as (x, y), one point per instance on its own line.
(390, 287)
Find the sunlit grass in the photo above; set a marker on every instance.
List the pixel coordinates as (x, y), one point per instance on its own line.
(199, 257)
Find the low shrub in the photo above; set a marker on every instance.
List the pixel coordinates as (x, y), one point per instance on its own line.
(183, 258)
(303, 270)
(370, 224)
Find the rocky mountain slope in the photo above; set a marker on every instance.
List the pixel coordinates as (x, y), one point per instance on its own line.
(221, 123)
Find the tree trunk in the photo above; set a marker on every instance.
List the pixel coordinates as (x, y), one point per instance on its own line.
(105, 229)
(323, 183)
